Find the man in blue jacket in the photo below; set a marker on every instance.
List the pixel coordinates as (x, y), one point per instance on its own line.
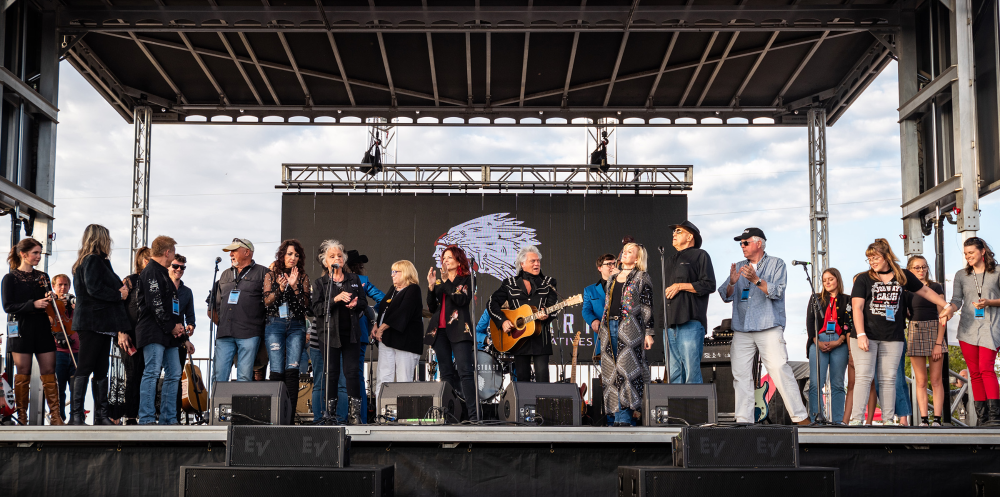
(594, 299)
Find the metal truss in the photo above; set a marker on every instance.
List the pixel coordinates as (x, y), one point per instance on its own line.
(383, 133)
(481, 19)
(140, 179)
(486, 177)
(819, 231)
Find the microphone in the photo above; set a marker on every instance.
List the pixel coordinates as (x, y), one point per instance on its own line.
(803, 263)
(218, 260)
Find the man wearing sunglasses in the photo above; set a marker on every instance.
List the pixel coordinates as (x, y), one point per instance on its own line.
(690, 280)
(185, 300)
(594, 300)
(756, 287)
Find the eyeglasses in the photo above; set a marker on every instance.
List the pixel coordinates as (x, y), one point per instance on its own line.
(608, 263)
(179, 267)
(874, 259)
(919, 268)
(394, 273)
(679, 230)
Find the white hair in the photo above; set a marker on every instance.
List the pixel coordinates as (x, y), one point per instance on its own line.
(522, 254)
(325, 246)
(763, 243)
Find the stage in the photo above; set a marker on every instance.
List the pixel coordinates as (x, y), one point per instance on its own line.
(486, 460)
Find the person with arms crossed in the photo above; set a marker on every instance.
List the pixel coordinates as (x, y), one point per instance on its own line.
(239, 299)
(690, 282)
(756, 287)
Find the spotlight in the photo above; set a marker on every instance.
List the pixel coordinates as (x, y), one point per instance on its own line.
(599, 157)
(373, 157)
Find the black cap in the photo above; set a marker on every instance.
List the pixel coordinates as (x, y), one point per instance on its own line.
(687, 225)
(751, 232)
(354, 257)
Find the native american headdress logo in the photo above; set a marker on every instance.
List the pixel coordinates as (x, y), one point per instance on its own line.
(491, 242)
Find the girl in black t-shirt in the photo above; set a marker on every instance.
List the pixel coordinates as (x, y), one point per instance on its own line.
(880, 321)
(925, 336)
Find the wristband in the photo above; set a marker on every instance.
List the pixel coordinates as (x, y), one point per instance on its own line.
(938, 344)
(861, 334)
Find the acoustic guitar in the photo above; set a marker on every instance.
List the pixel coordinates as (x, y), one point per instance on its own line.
(194, 396)
(523, 319)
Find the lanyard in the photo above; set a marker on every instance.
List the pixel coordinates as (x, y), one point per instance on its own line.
(979, 286)
(239, 275)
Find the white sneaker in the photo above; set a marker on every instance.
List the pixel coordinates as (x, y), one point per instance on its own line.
(856, 422)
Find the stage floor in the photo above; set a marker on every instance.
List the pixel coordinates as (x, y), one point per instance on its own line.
(460, 460)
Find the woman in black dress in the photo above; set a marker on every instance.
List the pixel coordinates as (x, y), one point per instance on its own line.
(26, 294)
(131, 356)
(99, 317)
(450, 329)
(341, 297)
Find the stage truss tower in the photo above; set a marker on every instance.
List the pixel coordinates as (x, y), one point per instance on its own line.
(819, 230)
(140, 179)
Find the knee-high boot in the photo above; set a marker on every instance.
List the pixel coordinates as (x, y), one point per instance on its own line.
(292, 386)
(52, 397)
(99, 389)
(353, 410)
(78, 393)
(22, 390)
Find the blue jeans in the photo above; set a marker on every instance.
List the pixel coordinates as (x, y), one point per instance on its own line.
(244, 351)
(687, 341)
(834, 362)
(342, 401)
(319, 380)
(64, 370)
(903, 408)
(284, 339)
(623, 415)
(158, 357)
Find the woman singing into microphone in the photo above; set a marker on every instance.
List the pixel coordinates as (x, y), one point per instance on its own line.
(450, 329)
(339, 291)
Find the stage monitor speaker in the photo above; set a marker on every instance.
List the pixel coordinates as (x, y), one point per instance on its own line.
(986, 484)
(282, 481)
(759, 446)
(721, 374)
(679, 404)
(416, 403)
(288, 446)
(672, 481)
(250, 403)
(541, 403)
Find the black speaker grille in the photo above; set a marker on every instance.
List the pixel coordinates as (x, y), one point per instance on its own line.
(742, 482)
(414, 407)
(268, 481)
(287, 446)
(691, 410)
(555, 410)
(721, 374)
(251, 410)
(729, 447)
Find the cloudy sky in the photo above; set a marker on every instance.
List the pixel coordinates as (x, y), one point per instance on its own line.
(210, 183)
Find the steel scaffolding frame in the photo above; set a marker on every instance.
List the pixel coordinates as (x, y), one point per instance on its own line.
(487, 177)
(143, 117)
(819, 231)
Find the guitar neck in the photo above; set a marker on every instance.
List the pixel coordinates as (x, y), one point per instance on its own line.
(548, 311)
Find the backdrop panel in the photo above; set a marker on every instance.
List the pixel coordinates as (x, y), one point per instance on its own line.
(571, 231)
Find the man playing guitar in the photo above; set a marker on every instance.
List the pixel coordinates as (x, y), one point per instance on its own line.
(533, 288)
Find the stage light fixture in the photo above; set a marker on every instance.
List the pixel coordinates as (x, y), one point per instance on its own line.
(599, 157)
(373, 157)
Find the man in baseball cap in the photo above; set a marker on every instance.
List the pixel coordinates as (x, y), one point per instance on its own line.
(756, 287)
(239, 311)
(238, 243)
(690, 280)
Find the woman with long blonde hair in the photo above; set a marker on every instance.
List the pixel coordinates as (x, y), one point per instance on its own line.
(99, 317)
(399, 326)
(627, 328)
(880, 321)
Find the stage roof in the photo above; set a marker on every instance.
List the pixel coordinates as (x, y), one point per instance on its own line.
(523, 62)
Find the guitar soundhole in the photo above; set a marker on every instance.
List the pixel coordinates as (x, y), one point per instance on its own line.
(520, 323)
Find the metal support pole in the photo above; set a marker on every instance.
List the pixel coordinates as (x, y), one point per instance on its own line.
(140, 179)
(964, 119)
(819, 231)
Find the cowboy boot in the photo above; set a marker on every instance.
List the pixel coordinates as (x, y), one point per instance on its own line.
(354, 411)
(78, 394)
(22, 388)
(99, 389)
(292, 386)
(982, 413)
(52, 397)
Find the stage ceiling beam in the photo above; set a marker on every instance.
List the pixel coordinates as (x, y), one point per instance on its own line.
(760, 57)
(524, 67)
(340, 67)
(257, 64)
(159, 69)
(798, 70)
(204, 68)
(434, 79)
(388, 73)
(697, 68)
(621, 52)
(239, 67)
(464, 19)
(718, 67)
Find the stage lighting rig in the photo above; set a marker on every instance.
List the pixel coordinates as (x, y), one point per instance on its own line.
(373, 157)
(599, 157)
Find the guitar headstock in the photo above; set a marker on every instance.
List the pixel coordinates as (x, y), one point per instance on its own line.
(576, 339)
(575, 300)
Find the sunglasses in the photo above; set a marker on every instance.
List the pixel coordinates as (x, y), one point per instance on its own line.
(179, 267)
(744, 243)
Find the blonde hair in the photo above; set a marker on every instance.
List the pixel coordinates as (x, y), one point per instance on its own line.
(408, 270)
(882, 248)
(640, 260)
(96, 240)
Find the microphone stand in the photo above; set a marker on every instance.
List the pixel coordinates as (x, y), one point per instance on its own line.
(818, 414)
(211, 327)
(666, 306)
(328, 416)
(475, 350)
